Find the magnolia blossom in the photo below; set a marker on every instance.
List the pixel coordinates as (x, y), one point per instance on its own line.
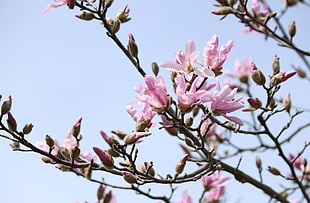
(185, 62)
(187, 98)
(216, 193)
(69, 3)
(185, 198)
(297, 163)
(214, 180)
(223, 102)
(146, 114)
(154, 93)
(213, 57)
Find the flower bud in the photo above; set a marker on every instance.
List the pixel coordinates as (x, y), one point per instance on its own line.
(223, 10)
(274, 171)
(12, 125)
(49, 141)
(100, 192)
(132, 46)
(85, 15)
(123, 15)
(258, 77)
(75, 152)
(120, 134)
(275, 65)
(133, 137)
(105, 158)
(116, 26)
(46, 160)
(76, 128)
(108, 3)
(258, 162)
(129, 177)
(27, 128)
(189, 121)
(147, 168)
(287, 102)
(6, 106)
(155, 68)
(301, 73)
(292, 29)
(255, 103)
(181, 164)
(108, 197)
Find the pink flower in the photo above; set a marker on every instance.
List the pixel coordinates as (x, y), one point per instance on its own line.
(213, 57)
(214, 180)
(223, 102)
(154, 93)
(188, 98)
(216, 193)
(185, 62)
(146, 115)
(185, 198)
(297, 163)
(69, 3)
(105, 158)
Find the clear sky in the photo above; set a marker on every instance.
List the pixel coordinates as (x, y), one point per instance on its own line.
(58, 68)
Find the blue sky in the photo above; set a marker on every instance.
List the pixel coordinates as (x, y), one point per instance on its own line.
(58, 67)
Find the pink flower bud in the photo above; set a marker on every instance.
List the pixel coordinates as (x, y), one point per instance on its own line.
(76, 127)
(132, 46)
(12, 125)
(255, 103)
(6, 106)
(133, 137)
(105, 158)
(287, 102)
(129, 177)
(181, 164)
(85, 15)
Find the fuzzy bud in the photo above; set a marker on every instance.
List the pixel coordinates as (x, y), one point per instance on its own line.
(12, 124)
(108, 3)
(292, 29)
(6, 106)
(100, 192)
(258, 162)
(223, 10)
(301, 73)
(105, 158)
(132, 46)
(76, 128)
(107, 198)
(133, 137)
(120, 134)
(258, 77)
(181, 164)
(116, 26)
(287, 102)
(255, 103)
(49, 141)
(85, 15)
(75, 152)
(129, 177)
(155, 68)
(147, 168)
(274, 171)
(189, 121)
(275, 65)
(27, 128)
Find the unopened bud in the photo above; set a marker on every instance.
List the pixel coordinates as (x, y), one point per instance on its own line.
(223, 10)
(189, 121)
(258, 162)
(6, 106)
(85, 15)
(46, 160)
(195, 111)
(116, 26)
(49, 141)
(75, 152)
(12, 124)
(105, 158)
(100, 192)
(132, 46)
(112, 152)
(188, 142)
(155, 68)
(120, 134)
(255, 103)
(272, 103)
(258, 77)
(274, 171)
(129, 177)
(76, 128)
(287, 102)
(292, 29)
(301, 73)
(275, 65)
(108, 3)
(27, 128)
(108, 197)
(181, 164)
